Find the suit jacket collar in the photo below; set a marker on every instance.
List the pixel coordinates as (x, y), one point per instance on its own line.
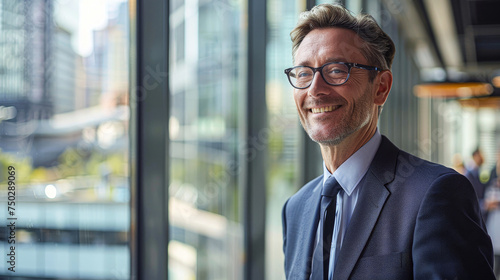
(372, 198)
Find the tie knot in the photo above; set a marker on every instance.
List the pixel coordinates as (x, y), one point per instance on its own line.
(331, 187)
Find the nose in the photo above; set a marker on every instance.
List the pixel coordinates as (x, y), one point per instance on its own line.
(318, 86)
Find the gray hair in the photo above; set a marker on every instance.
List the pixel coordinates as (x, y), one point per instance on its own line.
(376, 46)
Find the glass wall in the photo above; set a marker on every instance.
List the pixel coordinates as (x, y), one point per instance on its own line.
(207, 90)
(283, 156)
(64, 183)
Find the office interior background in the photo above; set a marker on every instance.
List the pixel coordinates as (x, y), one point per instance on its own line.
(159, 139)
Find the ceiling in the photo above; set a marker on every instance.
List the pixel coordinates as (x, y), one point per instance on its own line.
(465, 34)
(478, 28)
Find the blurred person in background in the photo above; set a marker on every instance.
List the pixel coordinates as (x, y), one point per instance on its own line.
(496, 170)
(377, 212)
(492, 208)
(473, 173)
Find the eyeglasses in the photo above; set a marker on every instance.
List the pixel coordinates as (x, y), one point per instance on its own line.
(334, 73)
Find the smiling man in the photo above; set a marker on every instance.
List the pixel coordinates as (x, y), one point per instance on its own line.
(377, 212)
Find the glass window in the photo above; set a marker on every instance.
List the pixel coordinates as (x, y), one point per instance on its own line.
(330, 2)
(354, 6)
(284, 126)
(207, 86)
(64, 186)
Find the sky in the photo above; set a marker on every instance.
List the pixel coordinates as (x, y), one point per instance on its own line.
(81, 18)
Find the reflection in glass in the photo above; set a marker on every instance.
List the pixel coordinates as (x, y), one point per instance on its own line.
(206, 83)
(63, 128)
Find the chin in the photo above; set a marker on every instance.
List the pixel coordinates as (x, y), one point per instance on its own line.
(328, 140)
(334, 137)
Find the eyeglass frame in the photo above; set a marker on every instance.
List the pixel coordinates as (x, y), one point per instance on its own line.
(320, 70)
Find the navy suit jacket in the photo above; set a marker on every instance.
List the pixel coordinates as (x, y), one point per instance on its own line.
(413, 220)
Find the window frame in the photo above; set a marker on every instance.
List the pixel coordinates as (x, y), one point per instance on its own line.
(149, 124)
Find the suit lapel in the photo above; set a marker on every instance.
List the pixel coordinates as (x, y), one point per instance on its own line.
(370, 202)
(372, 197)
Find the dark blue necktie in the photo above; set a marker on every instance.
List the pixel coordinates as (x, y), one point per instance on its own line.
(321, 257)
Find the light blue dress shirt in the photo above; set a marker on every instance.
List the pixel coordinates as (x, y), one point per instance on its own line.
(348, 175)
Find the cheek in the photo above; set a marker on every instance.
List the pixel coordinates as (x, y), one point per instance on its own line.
(298, 97)
(358, 90)
(358, 81)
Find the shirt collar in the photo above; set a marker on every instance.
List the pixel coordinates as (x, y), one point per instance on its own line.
(350, 173)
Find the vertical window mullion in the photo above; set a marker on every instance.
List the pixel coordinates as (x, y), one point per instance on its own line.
(255, 142)
(150, 111)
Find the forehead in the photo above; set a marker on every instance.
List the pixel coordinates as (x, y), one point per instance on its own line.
(330, 44)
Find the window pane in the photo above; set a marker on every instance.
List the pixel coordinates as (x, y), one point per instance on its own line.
(64, 139)
(329, 2)
(354, 6)
(207, 87)
(283, 145)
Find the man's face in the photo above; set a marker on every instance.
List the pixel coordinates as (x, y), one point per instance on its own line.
(345, 109)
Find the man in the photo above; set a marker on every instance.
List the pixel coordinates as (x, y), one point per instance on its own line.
(380, 212)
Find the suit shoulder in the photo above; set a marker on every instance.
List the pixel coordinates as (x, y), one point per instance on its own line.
(422, 167)
(392, 164)
(424, 176)
(406, 164)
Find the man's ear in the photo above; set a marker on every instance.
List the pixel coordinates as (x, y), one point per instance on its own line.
(384, 83)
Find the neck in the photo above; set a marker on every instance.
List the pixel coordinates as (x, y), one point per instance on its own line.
(335, 155)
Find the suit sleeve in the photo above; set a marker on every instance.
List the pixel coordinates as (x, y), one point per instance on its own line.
(450, 238)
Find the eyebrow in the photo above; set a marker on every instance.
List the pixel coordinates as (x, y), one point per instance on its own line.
(328, 60)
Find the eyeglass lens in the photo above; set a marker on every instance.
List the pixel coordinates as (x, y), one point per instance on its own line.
(333, 73)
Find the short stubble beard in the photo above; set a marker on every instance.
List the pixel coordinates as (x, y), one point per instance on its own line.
(363, 116)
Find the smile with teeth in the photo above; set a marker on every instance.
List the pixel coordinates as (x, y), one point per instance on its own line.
(324, 109)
